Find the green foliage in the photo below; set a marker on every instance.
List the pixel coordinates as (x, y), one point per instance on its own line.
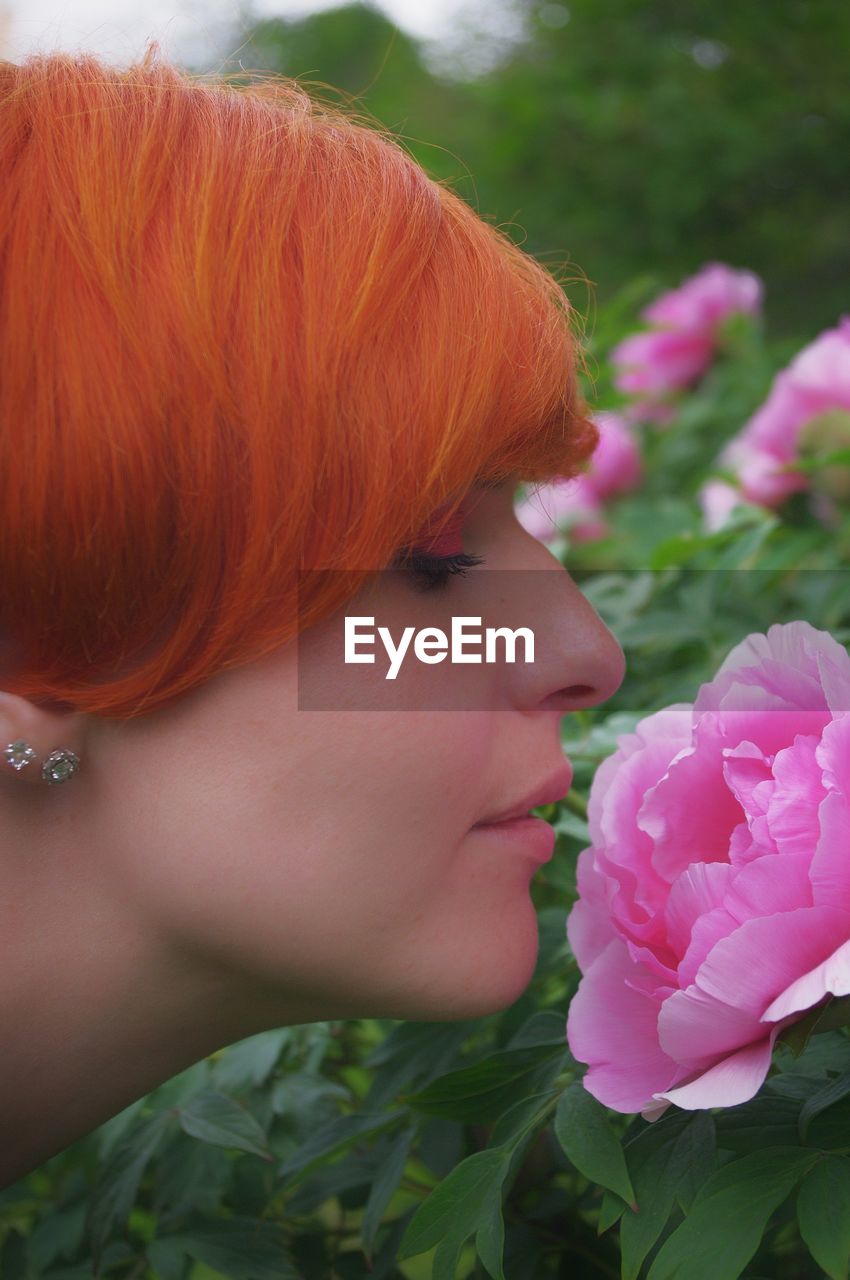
(823, 1211)
(739, 1198)
(629, 141)
(584, 1131)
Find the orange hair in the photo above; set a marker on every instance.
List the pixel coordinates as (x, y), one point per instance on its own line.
(240, 333)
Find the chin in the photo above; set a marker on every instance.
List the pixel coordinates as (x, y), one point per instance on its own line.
(477, 993)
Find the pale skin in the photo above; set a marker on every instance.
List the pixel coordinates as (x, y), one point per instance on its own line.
(230, 863)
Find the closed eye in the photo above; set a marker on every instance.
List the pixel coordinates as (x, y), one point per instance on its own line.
(433, 572)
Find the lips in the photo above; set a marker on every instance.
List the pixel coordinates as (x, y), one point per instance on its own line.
(553, 789)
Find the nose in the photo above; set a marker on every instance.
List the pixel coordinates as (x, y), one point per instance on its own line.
(577, 660)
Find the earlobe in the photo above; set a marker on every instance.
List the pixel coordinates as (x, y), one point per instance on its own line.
(60, 765)
(37, 744)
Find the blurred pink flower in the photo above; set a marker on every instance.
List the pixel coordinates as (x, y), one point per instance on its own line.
(663, 360)
(702, 302)
(718, 499)
(714, 900)
(660, 360)
(816, 381)
(577, 503)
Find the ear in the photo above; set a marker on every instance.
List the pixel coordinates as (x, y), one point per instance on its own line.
(44, 728)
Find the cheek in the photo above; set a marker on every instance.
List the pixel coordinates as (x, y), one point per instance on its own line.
(337, 827)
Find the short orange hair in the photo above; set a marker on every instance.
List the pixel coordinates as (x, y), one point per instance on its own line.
(240, 333)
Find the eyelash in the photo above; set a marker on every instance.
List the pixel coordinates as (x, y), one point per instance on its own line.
(432, 572)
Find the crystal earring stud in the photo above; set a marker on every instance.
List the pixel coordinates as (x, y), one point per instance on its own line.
(60, 765)
(19, 754)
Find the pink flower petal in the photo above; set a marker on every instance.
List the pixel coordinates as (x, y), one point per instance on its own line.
(831, 977)
(768, 885)
(734, 1080)
(754, 965)
(792, 813)
(706, 299)
(660, 360)
(612, 1027)
(707, 932)
(700, 888)
(690, 813)
(830, 870)
(589, 927)
(718, 499)
(694, 1028)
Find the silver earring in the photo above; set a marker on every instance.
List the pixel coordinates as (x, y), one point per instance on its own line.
(59, 766)
(19, 754)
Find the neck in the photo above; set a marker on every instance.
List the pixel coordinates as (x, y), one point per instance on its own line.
(95, 1012)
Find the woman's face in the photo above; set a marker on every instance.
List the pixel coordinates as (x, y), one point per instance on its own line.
(331, 858)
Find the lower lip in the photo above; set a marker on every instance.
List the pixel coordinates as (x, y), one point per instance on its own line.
(532, 836)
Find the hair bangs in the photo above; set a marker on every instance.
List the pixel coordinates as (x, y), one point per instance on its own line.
(242, 335)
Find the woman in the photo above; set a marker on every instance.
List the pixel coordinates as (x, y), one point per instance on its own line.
(246, 341)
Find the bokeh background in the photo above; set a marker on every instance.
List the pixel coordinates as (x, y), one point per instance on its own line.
(619, 139)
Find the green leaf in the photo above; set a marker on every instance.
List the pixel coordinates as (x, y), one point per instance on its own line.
(694, 1159)
(514, 1123)
(831, 1093)
(251, 1061)
(115, 1191)
(765, 1121)
(480, 1093)
(334, 1136)
(544, 1027)
(571, 824)
(490, 1237)
(828, 1016)
(444, 1265)
(223, 1122)
(732, 1211)
(453, 1209)
(354, 1170)
(612, 1210)
(114, 1255)
(56, 1236)
(411, 1055)
(825, 1055)
(383, 1188)
(829, 1130)
(191, 1173)
(421, 1040)
(743, 551)
(835, 458)
(241, 1249)
(167, 1261)
(584, 1131)
(111, 1131)
(823, 1212)
(657, 1158)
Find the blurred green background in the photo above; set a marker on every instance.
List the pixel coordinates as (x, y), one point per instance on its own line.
(617, 139)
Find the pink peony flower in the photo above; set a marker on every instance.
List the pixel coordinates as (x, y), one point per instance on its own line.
(669, 357)
(703, 302)
(714, 900)
(577, 503)
(815, 382)
(660, 360)
(569, 504)
(718, 500)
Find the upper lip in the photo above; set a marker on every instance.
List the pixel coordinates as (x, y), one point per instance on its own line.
(554, 788)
